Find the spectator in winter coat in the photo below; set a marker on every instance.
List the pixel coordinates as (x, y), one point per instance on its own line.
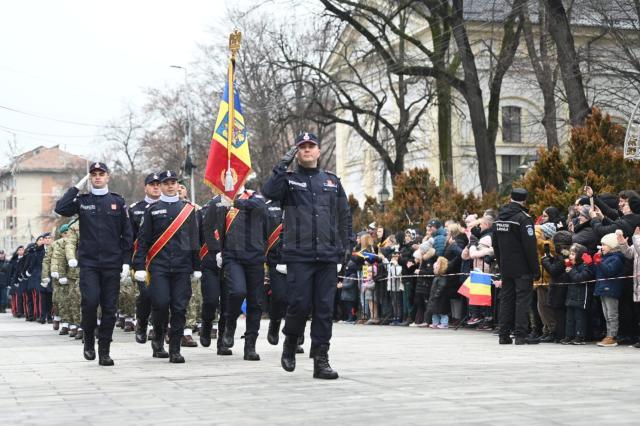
(604, 220)
(583, 233)
(632, 252)
(439, 234)
(395, 287)
(409, 265)
(579, 270)
(608, 267)
(438, 300)
(553, 263)
(349, 293)
(480, 251)
(544, 243)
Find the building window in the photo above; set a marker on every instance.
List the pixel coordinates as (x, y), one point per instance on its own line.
(511, 124)
(510, 164)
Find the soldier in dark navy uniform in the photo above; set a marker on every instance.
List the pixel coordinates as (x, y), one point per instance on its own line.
(104, 254)
(515, 250)
(166, 256)
(210, 282)
(240, 231)
(136, 212)
(316, 237)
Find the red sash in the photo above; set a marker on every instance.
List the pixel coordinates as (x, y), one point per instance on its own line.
(204, 250)
(168, 234)
(273, 238)
(233, 212)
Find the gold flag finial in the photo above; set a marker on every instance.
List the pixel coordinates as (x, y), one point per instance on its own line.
(234, 42)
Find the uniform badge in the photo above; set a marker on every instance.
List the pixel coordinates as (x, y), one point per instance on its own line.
(330, 184)
(306, 137)
(530, 230)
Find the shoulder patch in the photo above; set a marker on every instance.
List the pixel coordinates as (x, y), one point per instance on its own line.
(530, 231)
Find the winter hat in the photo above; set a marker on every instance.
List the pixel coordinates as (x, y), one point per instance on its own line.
(634, 204)
(610, 200)
(610, 240)
(562, 238)
(548, 230)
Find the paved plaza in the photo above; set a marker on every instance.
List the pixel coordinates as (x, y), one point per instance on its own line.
(388, 375)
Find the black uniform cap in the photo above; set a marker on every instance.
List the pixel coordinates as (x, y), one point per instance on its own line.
(152, 177)
(168, 175)
(519, 194)
(98, 166)
(307, 137)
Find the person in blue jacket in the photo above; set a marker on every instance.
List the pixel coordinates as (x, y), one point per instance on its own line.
(609, 266)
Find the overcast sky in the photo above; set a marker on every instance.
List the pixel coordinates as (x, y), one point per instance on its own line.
(84, 61)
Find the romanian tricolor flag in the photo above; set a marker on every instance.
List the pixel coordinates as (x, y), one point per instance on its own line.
(477, 288)
(370, 257)
(238, 152)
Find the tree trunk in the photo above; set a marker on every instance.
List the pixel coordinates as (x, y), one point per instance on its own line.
(549, 119)
(443, 91)
(569, 63)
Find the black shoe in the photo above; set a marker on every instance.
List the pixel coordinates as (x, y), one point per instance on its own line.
(288, 359)
(547, 338)
(103, 353)
(321, 367)
(176, 358)
(578, 341)
(312, 351)
(79, 334)
(157, 346)
(250, 349)
(141, 333)
(224, 351)
(273, 336)
(229, 331)
(566, 341)
(42, 321)
(89, 350)
(205, 334)
(505, 340)
(527, 341)
(299, 348)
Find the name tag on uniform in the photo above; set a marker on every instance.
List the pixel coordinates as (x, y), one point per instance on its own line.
(162, 211)
(298, 184)
(87, 207)
(502, 227)
(138, 212)
(330, 184)
(274, 209)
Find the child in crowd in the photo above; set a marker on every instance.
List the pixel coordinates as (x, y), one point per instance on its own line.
(579, 270)
(349, 293)
(395, 287)
(609, 265)
(438, 297)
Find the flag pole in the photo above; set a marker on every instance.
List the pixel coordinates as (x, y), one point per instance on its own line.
(234, 45)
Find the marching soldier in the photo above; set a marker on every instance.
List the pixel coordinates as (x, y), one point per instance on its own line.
(195, 301)
(241, 231)
(104, 254)
(45, 281)
(316, 236)
(136, 212)
(68, 290)
(167, 254)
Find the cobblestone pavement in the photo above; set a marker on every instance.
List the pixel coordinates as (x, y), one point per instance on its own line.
(388, 375)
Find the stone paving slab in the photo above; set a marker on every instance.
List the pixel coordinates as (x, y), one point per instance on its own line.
(388, 375)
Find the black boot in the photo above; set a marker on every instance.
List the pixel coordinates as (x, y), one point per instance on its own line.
(141, 332)
(313, 350)
(505, 340)
(89, 350)
(205, 334)
(273, 336)
(229, 332)
(288, 359)
(321, 367)
(103, 353)
(222, 349)
(299, 348)
(250, 348)
(157, 346)
(174, 350)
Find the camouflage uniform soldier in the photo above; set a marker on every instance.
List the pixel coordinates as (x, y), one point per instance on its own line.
(193, 309)
(126, 304)
(47, 274)
(46, 279)
(58, 268)
(68, 280)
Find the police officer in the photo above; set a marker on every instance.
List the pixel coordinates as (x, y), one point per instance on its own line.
(515, 250)
(136, 212)
(241, 232)
(316, 237)
(166, 256)
(104, 254)
(210, 282)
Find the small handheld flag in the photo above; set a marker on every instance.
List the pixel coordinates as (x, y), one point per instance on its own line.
(477, 288)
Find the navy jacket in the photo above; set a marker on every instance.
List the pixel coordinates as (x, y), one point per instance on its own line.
(106, 240)
(180, 253)
(246, 239)
(612, 266)
(34, 268)
(515, 242)
(274, 219)
(317, 218)
(208, 236)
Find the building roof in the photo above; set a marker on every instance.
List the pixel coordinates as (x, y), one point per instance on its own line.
(43, 159)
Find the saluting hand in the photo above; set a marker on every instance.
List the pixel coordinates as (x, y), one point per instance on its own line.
(289, 156)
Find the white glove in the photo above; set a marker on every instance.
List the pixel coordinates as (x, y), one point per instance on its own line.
(82, 181)
(197, 275)
(73, 263)
(339, 265)
(63, 281)
(55, 275)
(27, 274)
(281, 268)
(125, 271)
(219, 260)
(140, 275)
(45, 283)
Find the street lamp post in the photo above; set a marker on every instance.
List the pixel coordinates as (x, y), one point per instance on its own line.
(188, 163)
(383, 195)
